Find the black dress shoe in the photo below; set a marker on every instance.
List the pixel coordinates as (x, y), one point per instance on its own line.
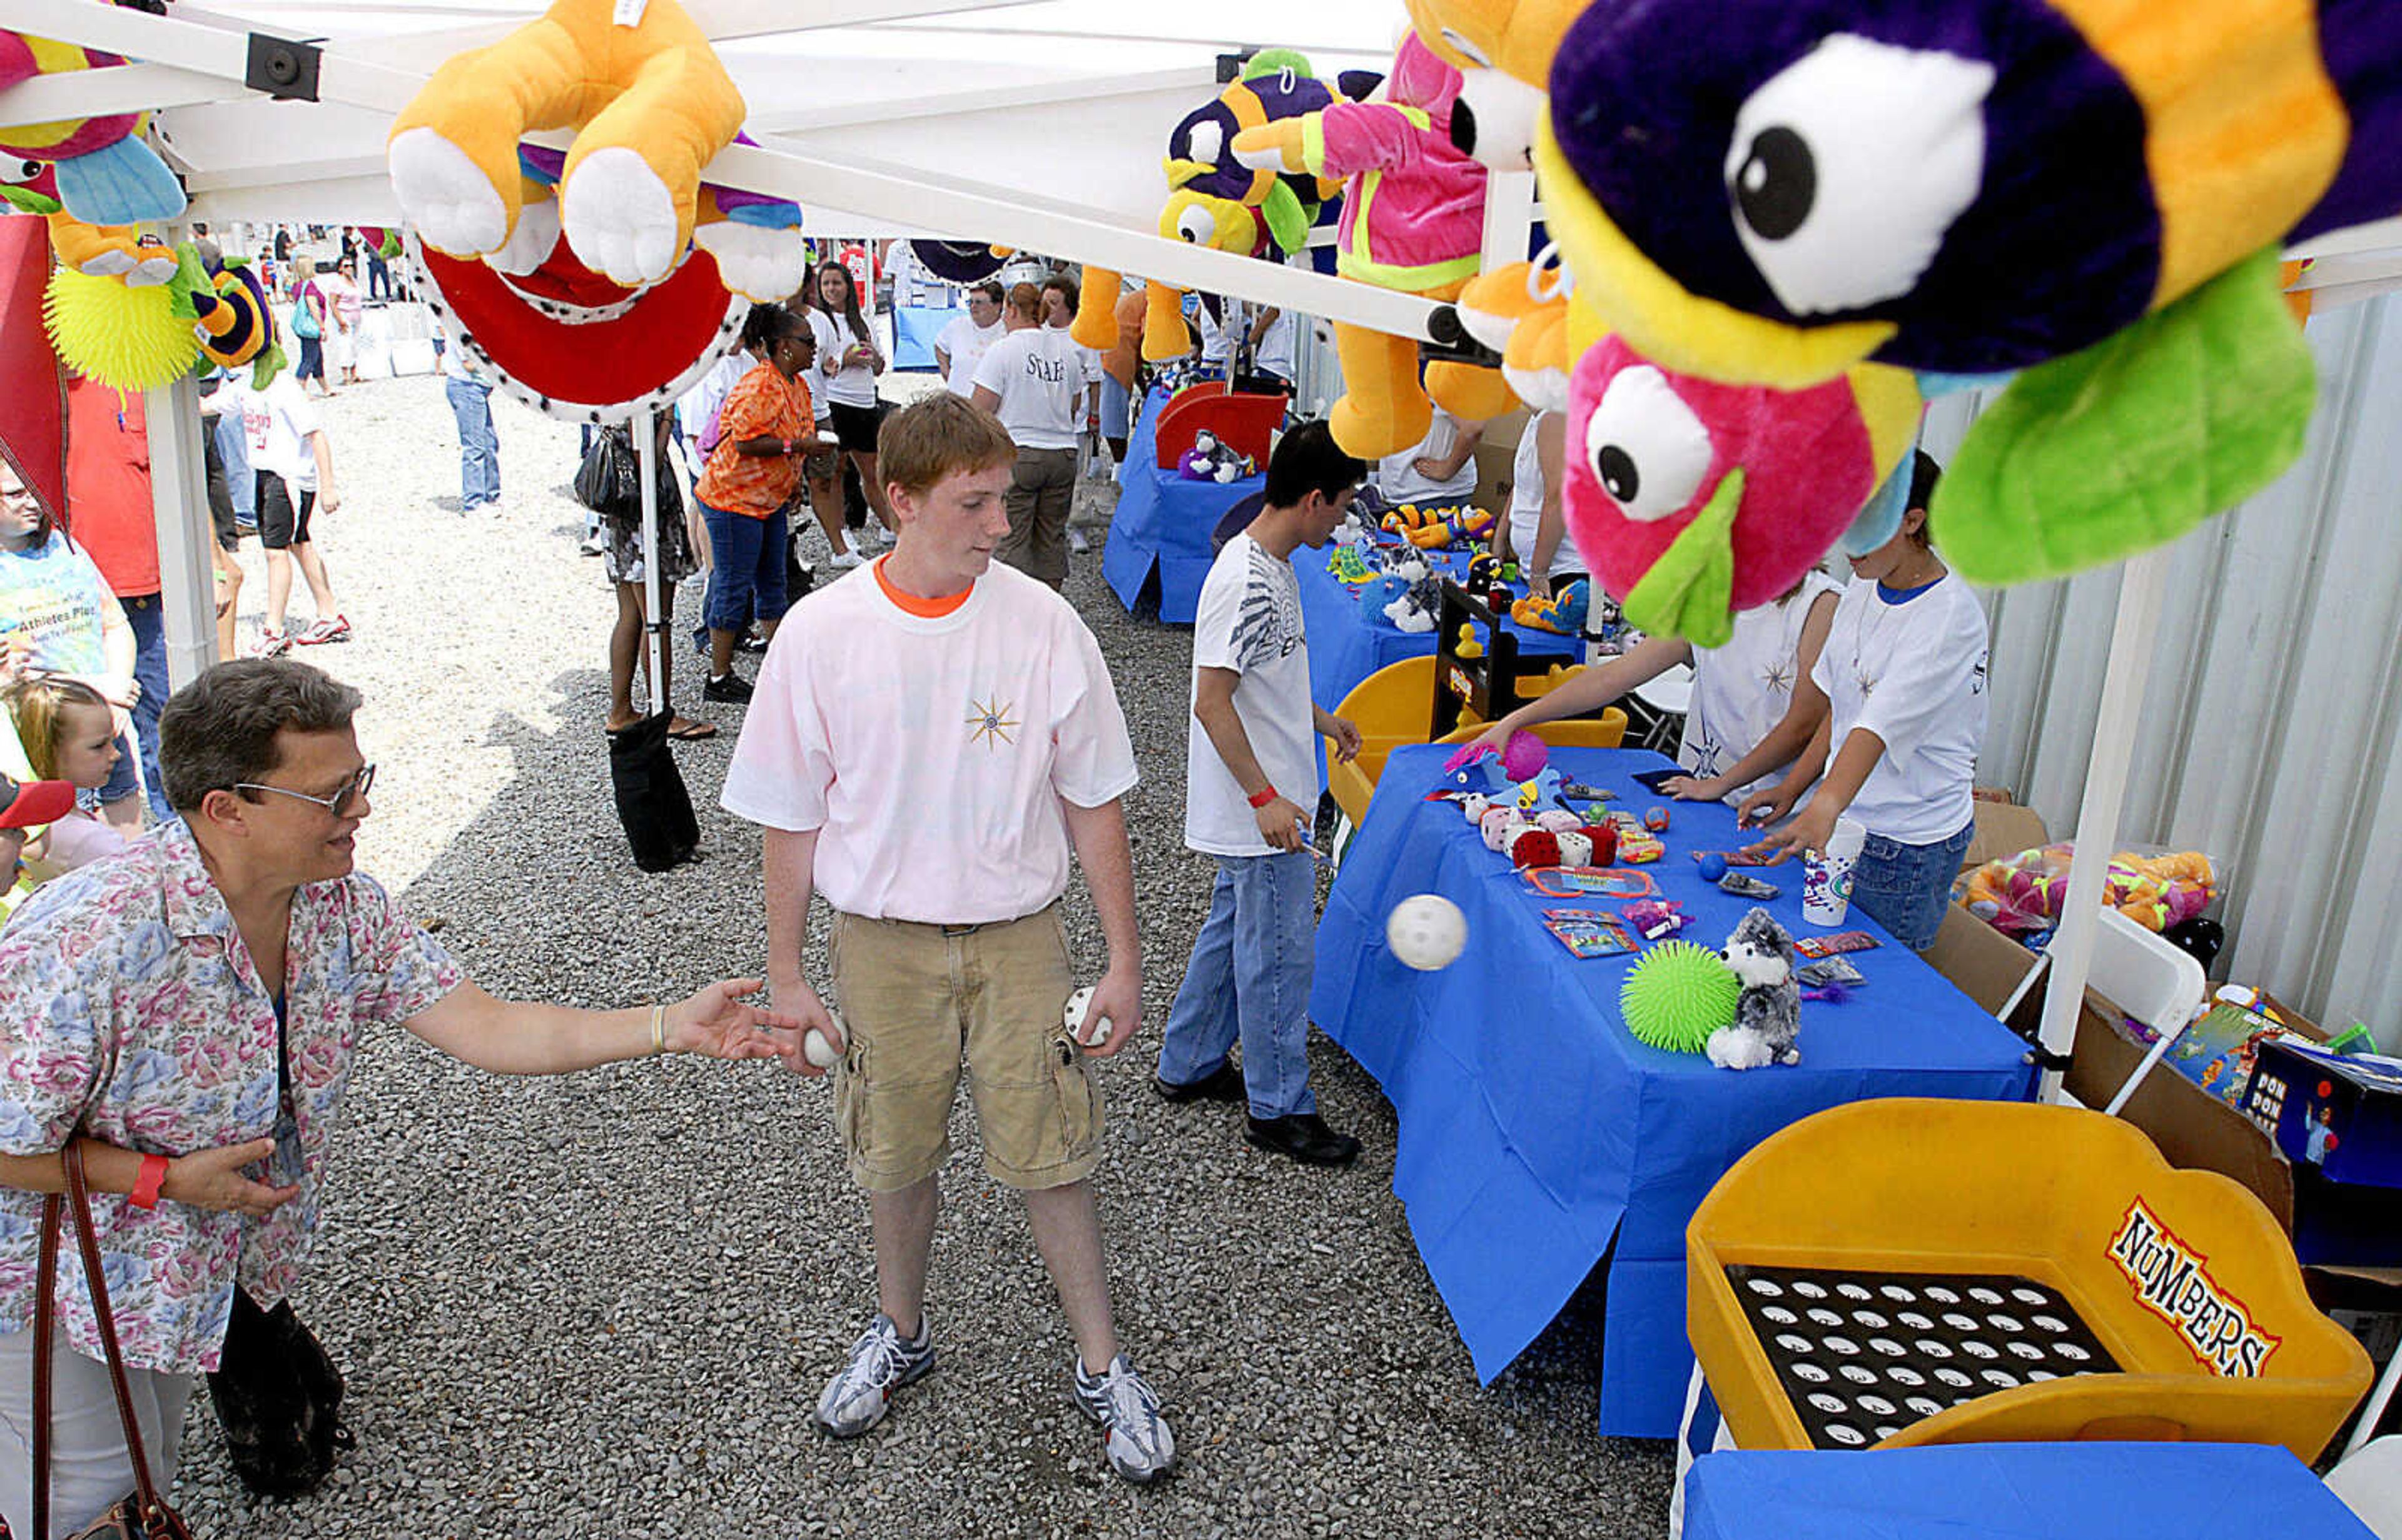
(1304, 1137)
(1221, 1084)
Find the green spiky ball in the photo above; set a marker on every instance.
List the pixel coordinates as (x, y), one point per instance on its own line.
(1676, 995)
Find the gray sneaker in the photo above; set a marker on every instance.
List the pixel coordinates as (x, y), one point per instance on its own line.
(881, 1362)
(1132, 1434)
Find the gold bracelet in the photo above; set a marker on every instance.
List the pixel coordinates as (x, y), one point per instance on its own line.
(658, 1030)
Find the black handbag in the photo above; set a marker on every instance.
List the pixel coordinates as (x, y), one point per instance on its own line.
(279, 1398)
(652, 802)
(610, 474)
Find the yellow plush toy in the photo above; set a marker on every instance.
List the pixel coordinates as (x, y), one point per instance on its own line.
(651, 105)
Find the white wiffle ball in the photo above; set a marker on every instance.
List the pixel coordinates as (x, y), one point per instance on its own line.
(1094, 1034)
(819, 1049)
(1427, 931)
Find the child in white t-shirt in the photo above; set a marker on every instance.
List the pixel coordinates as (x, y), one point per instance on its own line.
(1741, 690)
(1898, 700)
(1250, 792)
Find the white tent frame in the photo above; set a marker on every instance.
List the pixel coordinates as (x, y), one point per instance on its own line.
(212, 53)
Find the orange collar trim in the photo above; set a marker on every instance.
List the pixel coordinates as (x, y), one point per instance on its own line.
(924, 608)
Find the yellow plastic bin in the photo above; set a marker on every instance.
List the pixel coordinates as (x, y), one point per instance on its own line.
(2180, 1286)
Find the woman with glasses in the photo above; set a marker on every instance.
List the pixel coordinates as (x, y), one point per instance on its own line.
(222, 974)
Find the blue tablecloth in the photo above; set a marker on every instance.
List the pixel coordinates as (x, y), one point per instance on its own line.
(2015, 1491)
(1535, 1134)
(1346, 645)
(1162, 524)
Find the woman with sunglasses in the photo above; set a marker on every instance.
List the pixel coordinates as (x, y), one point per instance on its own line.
(222, 974)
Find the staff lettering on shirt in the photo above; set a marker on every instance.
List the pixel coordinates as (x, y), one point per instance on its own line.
(1051, 371)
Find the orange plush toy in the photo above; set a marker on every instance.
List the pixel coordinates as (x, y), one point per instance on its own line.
(651, 105)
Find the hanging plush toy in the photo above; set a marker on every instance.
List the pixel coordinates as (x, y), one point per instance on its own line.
(2094, 191)
(99, 251)
(755, 240)
(1503, 52)
(1216, 202)
(1413, 220)
(106, 175)
(650, 104)
(1693, 501)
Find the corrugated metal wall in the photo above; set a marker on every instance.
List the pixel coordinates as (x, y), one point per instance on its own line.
(2268, 734)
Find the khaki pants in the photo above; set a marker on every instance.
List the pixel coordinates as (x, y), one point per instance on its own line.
(1040, 495)
(915, 999)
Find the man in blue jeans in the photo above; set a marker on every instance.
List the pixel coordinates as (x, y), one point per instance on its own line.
(469, 390)
(1251, 793)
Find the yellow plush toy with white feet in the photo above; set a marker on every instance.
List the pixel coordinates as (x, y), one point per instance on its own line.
(650, 103)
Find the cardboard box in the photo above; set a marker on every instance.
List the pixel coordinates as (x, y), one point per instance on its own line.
(1984, 964)
(2003, 829)
(1496, 455)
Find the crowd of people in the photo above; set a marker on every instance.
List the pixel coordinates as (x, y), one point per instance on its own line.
(1860, 700)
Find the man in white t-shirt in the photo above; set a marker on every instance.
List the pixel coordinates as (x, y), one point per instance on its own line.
(1031, 379)
(1250, 792)
(937, 819)
(963, 343)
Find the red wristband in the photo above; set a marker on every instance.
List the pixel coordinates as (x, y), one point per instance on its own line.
(1263, 796)
(146, 1185)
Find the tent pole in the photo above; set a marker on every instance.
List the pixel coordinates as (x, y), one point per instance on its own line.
(655, 625)
(2142, 584)
(179, 504)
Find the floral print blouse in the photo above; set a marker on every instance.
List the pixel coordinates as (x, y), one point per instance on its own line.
(130, 1008)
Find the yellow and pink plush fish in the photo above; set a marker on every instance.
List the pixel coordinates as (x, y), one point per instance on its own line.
(1692, 501)
(2091, 191)
(105, 174)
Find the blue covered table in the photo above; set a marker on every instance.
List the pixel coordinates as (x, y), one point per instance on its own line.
(1346, 645)
(2014, 1492)
(1536, 1136)
(1162, 524)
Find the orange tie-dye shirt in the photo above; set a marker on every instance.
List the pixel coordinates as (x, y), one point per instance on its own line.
(762, 404)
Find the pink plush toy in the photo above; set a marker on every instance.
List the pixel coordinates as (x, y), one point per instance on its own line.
(1523, 756)
(1412, 221)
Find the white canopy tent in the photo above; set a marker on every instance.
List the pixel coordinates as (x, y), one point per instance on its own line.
(1033, 123)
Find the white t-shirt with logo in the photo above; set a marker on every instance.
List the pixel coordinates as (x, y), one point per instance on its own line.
(937, 797)
(1398, 477)
(1249, 620)
(277, 423)
(1741, 689)
(1037, 374)
(966, 343)
(1913, 673)
(1273, 355)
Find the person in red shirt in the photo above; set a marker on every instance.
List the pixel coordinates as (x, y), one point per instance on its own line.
(110, 514)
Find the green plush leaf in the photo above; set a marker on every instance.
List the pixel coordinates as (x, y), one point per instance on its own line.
(1271, 61)
(26, 201)
(191, 277)
(1689, 591)
(1288, 225)
(269, 363)
(2131, 443)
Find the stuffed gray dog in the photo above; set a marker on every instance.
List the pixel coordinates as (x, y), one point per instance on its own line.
(1768, 1012)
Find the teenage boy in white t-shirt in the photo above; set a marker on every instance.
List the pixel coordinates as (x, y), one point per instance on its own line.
(1898, 700)
(1031, 379)
(964, 342)
(1250, 792)
(937, 819)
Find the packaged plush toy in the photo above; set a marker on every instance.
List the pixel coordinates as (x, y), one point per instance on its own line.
(2023, 893)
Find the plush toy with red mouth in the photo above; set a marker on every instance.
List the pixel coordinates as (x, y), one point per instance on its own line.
(1693, 500)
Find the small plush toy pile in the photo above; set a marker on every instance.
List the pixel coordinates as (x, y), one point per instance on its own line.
(1209, 459)
(1408, 594)
(1432, 529)
(2021, 894)
(1563, 612)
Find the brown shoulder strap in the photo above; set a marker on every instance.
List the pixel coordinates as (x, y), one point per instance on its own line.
(79, 1202)
(46, 1279)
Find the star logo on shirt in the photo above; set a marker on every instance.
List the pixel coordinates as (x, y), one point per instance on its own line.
(1868, 684)
(991, 723)
(1778, 677)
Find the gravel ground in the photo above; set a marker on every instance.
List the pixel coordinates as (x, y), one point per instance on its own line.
(611, 1299)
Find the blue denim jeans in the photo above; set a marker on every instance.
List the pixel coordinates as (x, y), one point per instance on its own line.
(1250, 979)
(479, 447)
(748, 578)
(1907, 887)
(148, 616)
